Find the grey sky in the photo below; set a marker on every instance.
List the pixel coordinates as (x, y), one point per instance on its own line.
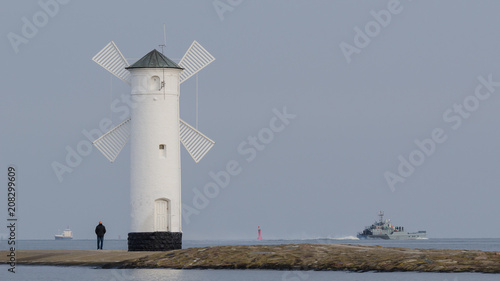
(322, 175)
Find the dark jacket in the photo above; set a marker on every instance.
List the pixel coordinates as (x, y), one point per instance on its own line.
(100, 230)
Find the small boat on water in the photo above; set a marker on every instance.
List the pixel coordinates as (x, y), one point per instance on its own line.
(383, 229)
(66, 235)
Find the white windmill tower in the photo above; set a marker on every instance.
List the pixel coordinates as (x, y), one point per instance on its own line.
(155, 131)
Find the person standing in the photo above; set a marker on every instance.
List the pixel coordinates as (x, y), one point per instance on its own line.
(100, 230)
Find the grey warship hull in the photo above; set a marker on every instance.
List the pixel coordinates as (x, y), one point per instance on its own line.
(396, 236)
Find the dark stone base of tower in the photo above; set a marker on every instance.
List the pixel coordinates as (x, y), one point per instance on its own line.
(154, 241)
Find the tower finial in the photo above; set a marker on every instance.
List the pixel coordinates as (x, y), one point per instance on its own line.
(164, 40)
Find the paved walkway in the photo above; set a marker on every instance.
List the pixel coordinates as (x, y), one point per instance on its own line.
(108, 258)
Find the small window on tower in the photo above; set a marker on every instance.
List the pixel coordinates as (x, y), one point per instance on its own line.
(155, 83)
(163, 151)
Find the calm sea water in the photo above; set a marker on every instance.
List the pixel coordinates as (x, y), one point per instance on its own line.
(483, 244)
(53, 273)
(89, 273)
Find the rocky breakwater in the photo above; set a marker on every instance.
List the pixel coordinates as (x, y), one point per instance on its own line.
(279, 257)
(324, 257)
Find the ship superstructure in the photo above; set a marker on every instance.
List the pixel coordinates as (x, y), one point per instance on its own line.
(67, 234)
(383, 229)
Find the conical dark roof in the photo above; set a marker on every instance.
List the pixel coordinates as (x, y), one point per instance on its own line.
(154, 59)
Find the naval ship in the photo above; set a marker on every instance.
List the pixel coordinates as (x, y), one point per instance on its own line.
(383, 229)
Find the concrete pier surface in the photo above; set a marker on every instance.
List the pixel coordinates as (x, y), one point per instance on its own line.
(281, 257)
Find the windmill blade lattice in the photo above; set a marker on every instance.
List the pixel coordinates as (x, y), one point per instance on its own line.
(195, 59)
(111, 143)
(111, 59)
(196, 143)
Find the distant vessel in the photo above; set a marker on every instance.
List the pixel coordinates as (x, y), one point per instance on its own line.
(384, 230)
(67, 234)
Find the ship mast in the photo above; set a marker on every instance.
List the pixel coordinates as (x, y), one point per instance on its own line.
(381, 215)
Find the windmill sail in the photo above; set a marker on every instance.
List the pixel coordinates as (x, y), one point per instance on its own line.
(111, 143)
(196, 143)
(113, 61)
(195, 59)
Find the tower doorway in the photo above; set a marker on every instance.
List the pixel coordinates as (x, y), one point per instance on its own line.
(162, 210)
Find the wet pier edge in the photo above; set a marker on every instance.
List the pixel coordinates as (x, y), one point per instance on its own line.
(279, 257)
